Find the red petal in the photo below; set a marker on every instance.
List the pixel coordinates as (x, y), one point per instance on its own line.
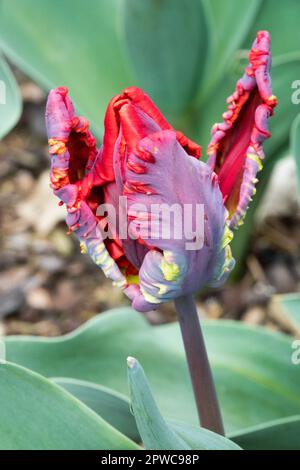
(236, 146)
(130, 111)
(71, 144)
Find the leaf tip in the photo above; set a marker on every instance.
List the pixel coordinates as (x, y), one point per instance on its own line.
(131, 362)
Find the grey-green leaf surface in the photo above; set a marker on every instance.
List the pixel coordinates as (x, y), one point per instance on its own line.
(167, 45)
(229, 22)
(156, 433)
(255, 378)
(37, 414)
(70, 44)
(283, 434)
(281, 19)
(10, 99)
(283, 72)
(110, 405)
(199, 438)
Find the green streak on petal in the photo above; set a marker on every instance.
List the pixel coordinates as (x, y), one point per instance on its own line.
(227, 237)
(149, 298)
(170, 270)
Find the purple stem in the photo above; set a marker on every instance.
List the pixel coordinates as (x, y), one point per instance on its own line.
(203, 384)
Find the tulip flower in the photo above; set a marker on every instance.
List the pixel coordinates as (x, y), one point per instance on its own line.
(144, 160)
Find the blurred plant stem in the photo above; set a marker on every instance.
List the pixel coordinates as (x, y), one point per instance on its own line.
(201, 376)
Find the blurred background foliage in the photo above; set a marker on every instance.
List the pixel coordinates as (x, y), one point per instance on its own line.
(186, 54)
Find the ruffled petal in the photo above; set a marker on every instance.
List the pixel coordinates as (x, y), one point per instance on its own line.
(83, 223)
(143, 158)
(161, 279)
(160, 175)
(134, 115)
(235, 151)
(71, 145)
(73, 152)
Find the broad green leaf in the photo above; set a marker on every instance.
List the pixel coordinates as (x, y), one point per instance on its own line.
(295, 146)
(283, 74)
(281, 19)
(65, 43)
(229, 22)
(196, 437)
(10, 100)
(167, 44)
(255, 378)
(215, 105)
(156, 433)
(37, 414)
(287, 308)
(110, 405)
(283, 434)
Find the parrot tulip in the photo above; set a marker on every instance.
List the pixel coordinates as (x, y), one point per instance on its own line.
(146, 162)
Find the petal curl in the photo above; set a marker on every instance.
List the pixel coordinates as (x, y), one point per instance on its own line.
(148, 165)
(171, 177)
(134, 114)
(161, 279)
(71, 145)
(73, 151)
(235, 150)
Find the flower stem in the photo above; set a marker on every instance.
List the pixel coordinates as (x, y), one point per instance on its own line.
(201, 376)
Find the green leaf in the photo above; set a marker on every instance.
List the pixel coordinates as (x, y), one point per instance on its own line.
(215, 105)
(10, 99)
(167, 45)
(295, 147)
(156, 433)
(282, 434)
(196, 437)
(255, 377)
(71, 45)
(229, 22)
(110, 405)
(287, 309)
(283, 74)
(37, 414)
(281, 19)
